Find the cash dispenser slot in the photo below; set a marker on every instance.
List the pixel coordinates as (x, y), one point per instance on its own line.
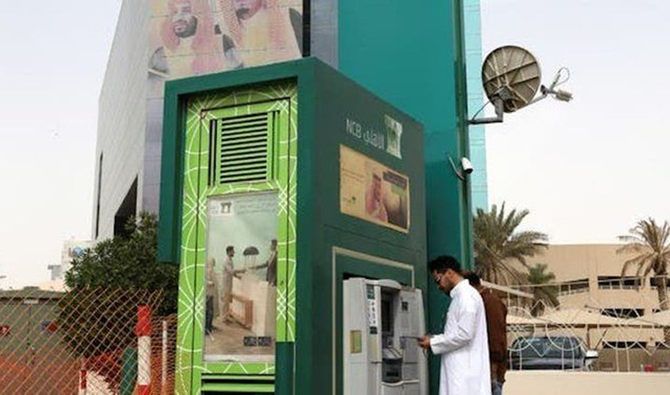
(391, 358)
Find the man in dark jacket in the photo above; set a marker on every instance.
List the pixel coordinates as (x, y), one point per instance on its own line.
(496, 326)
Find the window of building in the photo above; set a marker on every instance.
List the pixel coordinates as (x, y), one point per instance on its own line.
(658, 280)
(623, 312)
(624, 345)
(574, 287)
(127, 209)
(617, 282)
(97, 203)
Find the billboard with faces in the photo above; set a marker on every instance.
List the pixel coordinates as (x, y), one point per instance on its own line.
(193, 37)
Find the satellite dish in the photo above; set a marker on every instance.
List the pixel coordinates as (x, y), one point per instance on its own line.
(511, 77)
(513, 74)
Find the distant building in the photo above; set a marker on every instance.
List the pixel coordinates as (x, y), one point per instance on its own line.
(612, 313)
(56, 272)
(33, 351)
(158, 40)
(71, 249)
(590, 276)
(27, 316)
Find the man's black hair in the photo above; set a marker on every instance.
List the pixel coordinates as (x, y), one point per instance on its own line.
(442, 263)
(473, 278)
(229, 248)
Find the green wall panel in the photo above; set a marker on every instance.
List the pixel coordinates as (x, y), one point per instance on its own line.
(278, 97)
(412, 55)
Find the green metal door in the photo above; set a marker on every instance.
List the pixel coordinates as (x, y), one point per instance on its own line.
(237, 299)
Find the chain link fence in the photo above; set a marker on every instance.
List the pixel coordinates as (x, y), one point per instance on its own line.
(85, 341)
(609, 326)
(110, 341)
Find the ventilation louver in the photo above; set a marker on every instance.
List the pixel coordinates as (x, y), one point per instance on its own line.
(241, 148)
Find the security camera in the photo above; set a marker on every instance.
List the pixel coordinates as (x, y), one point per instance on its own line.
(466, 168)
(466, 165)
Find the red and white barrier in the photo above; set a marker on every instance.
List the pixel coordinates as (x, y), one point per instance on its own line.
(82, 378)
(143, 331)
(164, 356)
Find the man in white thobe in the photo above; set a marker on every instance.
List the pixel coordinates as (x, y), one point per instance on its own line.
(464, 344)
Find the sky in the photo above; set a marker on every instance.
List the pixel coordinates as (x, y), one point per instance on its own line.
(586, 170)
(52, 64)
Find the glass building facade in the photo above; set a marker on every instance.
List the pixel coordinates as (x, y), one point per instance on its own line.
(473, 54)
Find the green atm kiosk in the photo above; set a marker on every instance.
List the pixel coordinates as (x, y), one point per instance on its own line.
(293, 201)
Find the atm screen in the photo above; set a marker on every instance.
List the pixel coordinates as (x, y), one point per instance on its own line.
(387, 316)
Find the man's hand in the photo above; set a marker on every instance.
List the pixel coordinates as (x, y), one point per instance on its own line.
(424, 342)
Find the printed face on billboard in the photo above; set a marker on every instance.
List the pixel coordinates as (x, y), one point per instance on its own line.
(373, 192)
(246, 9)
(192, 37)
(184, 23)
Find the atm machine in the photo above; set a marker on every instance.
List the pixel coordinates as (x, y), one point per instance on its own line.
(382, 322)
(293, 200)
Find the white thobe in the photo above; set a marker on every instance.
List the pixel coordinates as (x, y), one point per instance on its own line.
(464, 345)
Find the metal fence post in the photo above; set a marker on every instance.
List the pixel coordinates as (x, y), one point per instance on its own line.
(143, 331)
(82, 377)
(164, 356)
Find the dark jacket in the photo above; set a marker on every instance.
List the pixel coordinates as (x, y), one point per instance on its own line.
(496, 325)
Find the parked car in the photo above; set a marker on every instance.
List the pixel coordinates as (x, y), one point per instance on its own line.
(550, 353)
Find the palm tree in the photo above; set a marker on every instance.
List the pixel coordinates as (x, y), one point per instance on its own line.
(543, 293)
(497, 243)
(651, 245)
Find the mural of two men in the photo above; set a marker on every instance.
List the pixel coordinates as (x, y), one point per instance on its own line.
(191, 37)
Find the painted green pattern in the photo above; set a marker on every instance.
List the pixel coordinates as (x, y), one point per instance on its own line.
(201, 109)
